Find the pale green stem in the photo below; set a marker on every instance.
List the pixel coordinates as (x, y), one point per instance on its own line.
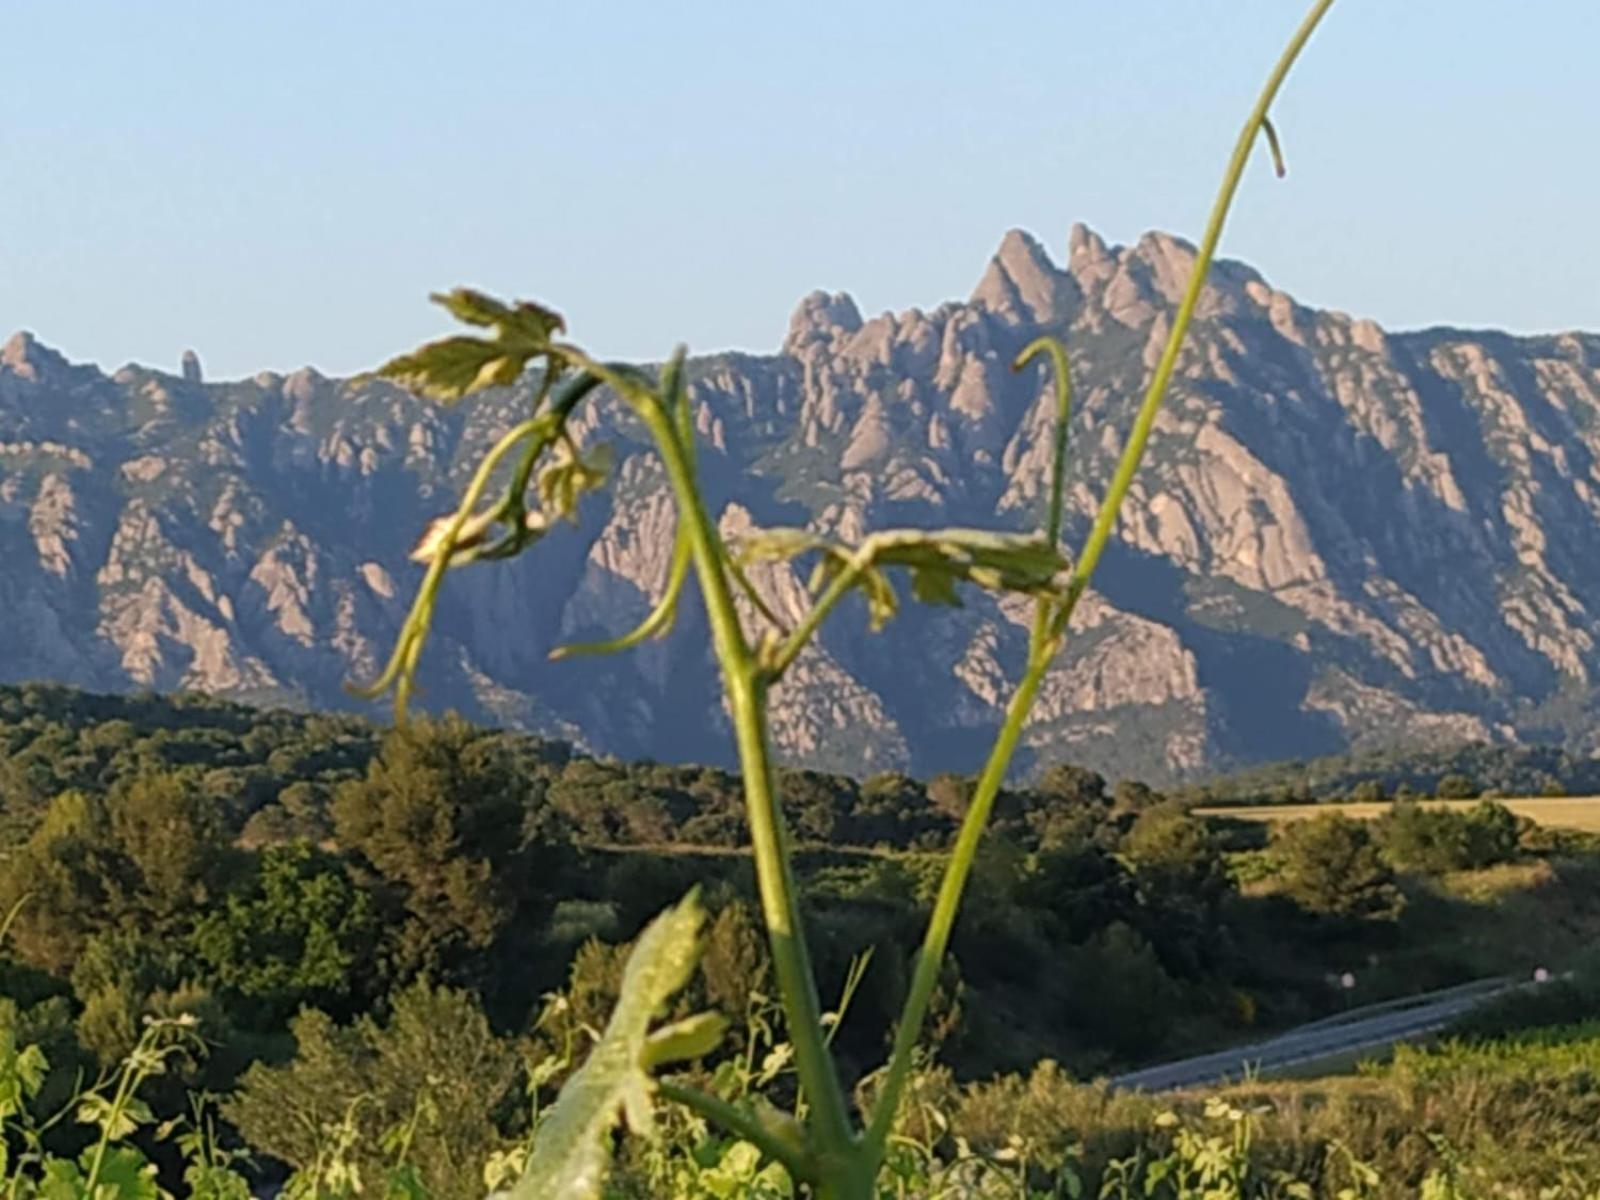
(742, 1124)
(818, 612)
(1048, 630)
(403, 661)
(130, 1080)
(1058, 457)
(1106, 520)
(925, 977)
(768, 837)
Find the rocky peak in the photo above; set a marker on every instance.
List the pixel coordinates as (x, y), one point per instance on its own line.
(821, 317)
(1342, 536)
(1023, 285)
(191, 367)
(26, 357)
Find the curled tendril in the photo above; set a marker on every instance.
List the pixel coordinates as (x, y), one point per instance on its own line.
(1058, 462)
(660, 620)
(1278, 164)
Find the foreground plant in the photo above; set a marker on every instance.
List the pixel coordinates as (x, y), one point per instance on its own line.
(542, 473)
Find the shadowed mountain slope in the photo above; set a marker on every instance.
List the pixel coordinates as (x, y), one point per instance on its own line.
(1343, 537)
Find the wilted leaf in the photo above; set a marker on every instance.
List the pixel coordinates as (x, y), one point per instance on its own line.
(571, 1154)
(565, 480)
(785, 543)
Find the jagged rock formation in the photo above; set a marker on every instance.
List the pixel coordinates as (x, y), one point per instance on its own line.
(1343, 536)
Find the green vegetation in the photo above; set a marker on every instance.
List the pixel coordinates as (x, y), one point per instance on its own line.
(353, 970)
(431, 1102)
(831, 1146)
(374, 934)
(1461, 772)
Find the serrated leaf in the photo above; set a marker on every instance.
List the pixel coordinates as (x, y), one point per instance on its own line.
(938, 559)
(61, 1180)
(453, 367)
(124, 1174)
(693, 1037)
(22, 1072)
(114, 1122)
(524, 319)
(446, 369)
(571, 1152)
(405, 1183)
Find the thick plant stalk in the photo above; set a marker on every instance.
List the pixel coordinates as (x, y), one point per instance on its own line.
(1052, 619)
(746, 690)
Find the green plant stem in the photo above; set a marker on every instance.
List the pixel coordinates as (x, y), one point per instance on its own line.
(131, 1079)
(1106, 520)
(1058, 457)
(941, 921)
(1049, 628)
(741, 1124)
(403, 660)
(836, 591)
(659, 620)
(768, 836)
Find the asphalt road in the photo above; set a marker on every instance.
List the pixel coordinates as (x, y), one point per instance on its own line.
(1373, 1028)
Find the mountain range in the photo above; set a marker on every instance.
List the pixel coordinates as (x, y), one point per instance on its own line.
(1343, 536)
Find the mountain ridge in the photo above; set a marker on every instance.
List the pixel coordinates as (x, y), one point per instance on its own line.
(1343, 536)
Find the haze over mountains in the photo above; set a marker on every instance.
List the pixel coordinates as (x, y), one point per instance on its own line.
(1342, 537)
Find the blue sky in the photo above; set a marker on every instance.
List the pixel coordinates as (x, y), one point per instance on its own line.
(277, 184)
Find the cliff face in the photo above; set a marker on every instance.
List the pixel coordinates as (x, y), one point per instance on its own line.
(1342, 536)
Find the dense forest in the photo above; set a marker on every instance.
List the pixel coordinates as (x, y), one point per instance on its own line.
(311, 887)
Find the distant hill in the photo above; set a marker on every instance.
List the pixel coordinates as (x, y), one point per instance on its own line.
(1344, 538)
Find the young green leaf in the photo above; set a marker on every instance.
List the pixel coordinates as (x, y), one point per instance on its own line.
(693, 1037)
(571, 1151)
(22, 1072)
(453, 367)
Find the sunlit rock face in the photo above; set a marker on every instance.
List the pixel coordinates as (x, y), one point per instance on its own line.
(1343, 536)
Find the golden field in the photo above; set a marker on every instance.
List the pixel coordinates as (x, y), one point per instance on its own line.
(1564, 812)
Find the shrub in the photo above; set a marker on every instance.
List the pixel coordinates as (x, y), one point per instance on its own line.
(1330, 865)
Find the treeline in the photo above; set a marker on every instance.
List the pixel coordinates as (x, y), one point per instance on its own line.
(341, 905)
(185, 853)
(1461, 772)
(273, 775)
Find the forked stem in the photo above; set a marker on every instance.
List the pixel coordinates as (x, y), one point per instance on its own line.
(780, 905)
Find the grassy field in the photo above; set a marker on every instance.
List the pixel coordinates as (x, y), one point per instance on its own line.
(1566, 812)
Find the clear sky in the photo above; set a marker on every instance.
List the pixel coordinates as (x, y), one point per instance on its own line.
(282, 183)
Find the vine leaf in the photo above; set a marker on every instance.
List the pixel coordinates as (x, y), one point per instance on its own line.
(124, 1174)
(937, 559)
(454, 367)
(22, 1073)
(570, 476)
(571, 1151)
